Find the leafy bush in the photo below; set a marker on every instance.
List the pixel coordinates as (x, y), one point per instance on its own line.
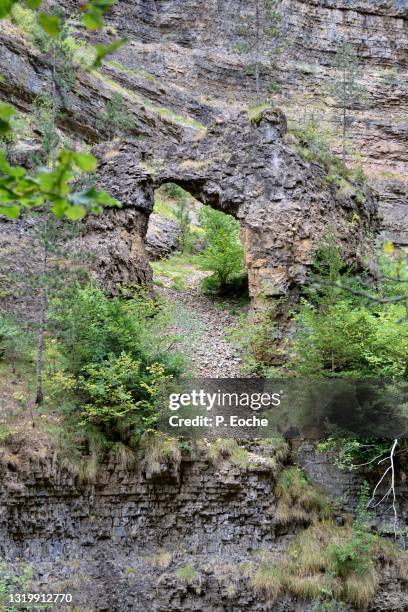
(114, 348)
(13, 340)
(120, 396)
(12, 583)
(338, 334)
(223, 255)
(174, 191)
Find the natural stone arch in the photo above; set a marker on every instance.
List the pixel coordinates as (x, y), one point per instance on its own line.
(246, 169)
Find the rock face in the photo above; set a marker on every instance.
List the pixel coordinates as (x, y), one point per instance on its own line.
(184, 80)
(162, 237)
(245, 168)
(211, 517)
(194, 54)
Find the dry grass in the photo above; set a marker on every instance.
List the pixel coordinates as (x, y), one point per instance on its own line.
(309, 568)
(228, 449)
(159, 449)
(298, 501)
(124, 457)
(163, 559)
(268, 580)
(402, 567)
(359, 589)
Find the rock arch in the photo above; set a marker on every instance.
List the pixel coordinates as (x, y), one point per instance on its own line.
(244, 168)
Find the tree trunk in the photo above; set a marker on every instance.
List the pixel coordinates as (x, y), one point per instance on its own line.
(39, 360)
(257, 45)
(344, 115)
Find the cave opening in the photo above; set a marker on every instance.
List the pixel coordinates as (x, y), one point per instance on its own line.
(199, 275)
(192, 244)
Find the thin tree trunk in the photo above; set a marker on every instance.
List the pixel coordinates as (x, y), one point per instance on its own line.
(39, 361)
(344, 115)
(257, 34)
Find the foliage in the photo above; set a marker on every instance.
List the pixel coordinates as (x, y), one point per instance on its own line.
(337, 334)
(298, 500)
(19, 189)
(328, 562)
(13, 342)
(187, 573)
(174, 191)
(346, 88)
(44, 120)
(257, 31)
(90, 326)
(12, 583)
(349, 452)
(182, 215)
(115, 119)
(119, 395)
(92, 19)
(159, 448)
(256, 336)
(116, 351)
(223, 254)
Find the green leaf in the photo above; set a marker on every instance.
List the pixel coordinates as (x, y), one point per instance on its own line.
(59, 207)
(75, 213)
(93, 20)
(106, 200)
(5, 7)
(6, 113)
(103, 50)
(12, 212)
(389, 247)
(86, 162)
(50, 24)
(33, 4)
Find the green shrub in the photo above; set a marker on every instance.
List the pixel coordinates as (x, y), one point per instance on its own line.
(174, 191)
(115, 119)
(112, 359)
(11, 584)
(120, 395)
(14, 341)
(223, 254)
(339, 334)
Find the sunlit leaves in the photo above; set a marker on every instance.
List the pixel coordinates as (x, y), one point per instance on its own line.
(19, 190)
(388, 248)
(5, 7)
(51, 24)
(86, 162)
(93, 15)
(6, 113)
(12, 212)
(54, 187)
(103, 50)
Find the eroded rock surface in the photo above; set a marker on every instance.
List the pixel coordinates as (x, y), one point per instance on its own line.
(189, 55)
(122, 541)
(245, 168)
(162, 237)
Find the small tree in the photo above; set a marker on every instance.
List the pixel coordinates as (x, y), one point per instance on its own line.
(346, 88)
(223, 255)
(259, 30)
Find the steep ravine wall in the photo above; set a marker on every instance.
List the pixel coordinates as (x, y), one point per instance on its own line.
(189, 49)
(118, 543)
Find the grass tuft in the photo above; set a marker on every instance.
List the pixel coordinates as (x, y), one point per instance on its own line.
(187, 574)
(158, 449)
